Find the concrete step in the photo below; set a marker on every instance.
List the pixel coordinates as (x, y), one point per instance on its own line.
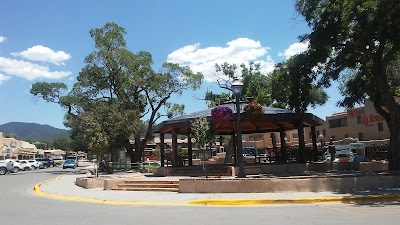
(151, 182)
(146, 189)
(143, 185)
(149, 185)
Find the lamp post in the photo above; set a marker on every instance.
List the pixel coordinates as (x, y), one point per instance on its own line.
(237, 87)
(321, 139)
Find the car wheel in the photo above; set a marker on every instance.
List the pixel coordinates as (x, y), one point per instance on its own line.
(45, 166)
(27, 168)
(33, 167)
(63, 168)
(3, 171)
(15, 170)
(74, 167)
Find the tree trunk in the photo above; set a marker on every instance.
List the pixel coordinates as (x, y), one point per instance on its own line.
(300, 132)
(138, 152)
(129, 150)
(392, 117)
(386, 105)
(107, 165)
(394, 146)
(229, 152)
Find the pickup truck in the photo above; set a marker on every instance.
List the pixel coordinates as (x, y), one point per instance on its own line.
(6, 166)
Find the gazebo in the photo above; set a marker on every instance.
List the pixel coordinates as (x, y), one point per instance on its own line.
(270, 120)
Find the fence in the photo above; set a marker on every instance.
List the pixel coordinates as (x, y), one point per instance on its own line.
(141, 167)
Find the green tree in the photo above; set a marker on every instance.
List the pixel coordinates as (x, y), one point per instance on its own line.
(362, 36)
(203, 131)
(293, 85)
(255, 84)
(118, 94)
(10, 135)
(64, 143)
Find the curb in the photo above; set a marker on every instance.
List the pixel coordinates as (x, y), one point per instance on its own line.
(37, 190)
(224, 202)
(341, 199)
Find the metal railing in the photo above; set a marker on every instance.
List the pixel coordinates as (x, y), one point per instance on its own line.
(133, 166)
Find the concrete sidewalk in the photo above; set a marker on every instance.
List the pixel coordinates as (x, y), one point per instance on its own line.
(64, 188)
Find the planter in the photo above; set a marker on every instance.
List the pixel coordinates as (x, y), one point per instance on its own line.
(254, 108)
(221, 114)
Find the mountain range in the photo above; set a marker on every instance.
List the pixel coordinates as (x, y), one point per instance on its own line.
(32, 131)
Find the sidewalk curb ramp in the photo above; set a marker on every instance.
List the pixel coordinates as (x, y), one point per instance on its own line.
(224, 202)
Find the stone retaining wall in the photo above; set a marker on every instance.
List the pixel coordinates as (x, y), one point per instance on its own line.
(90, 182)
(107, 183)
(289, 184)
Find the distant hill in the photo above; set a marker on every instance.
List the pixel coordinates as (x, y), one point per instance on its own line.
(33, 131)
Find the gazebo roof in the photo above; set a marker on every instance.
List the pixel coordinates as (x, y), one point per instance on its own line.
(271, 120)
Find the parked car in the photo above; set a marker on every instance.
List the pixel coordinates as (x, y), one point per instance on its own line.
(57, 160)
(76, 158)
(359, 158)
(380, 155)
(17, 166)
(31, 164)
(25, 165)
(6, 166)
(70, 163)
(342, 158)
(36, 164)
(47, 162)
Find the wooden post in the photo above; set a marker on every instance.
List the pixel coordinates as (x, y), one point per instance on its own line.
(162, 150)
(190, 148)
(314, 143)
(283, 144)
(174, 147)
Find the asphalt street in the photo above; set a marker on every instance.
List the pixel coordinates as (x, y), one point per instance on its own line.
(20, 205)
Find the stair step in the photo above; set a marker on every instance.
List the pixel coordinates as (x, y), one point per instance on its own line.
(147, 189)
(140, 185)
(151, 182)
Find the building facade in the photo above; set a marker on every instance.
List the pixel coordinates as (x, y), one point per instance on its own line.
(362, 123)
(11, 148)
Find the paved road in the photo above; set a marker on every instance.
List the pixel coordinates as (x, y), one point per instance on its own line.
(18, 205)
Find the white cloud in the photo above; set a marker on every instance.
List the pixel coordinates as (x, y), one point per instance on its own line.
(238, 51)
(28, 70)
(2, 39)
(43, 54)
(4, 78)
(294, 49)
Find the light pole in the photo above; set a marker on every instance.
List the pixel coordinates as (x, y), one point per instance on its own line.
(237, 87)
(321, 139)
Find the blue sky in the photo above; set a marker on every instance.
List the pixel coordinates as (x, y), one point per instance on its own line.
(47, 41)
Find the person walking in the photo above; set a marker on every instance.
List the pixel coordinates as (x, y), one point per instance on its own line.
(332, 149)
